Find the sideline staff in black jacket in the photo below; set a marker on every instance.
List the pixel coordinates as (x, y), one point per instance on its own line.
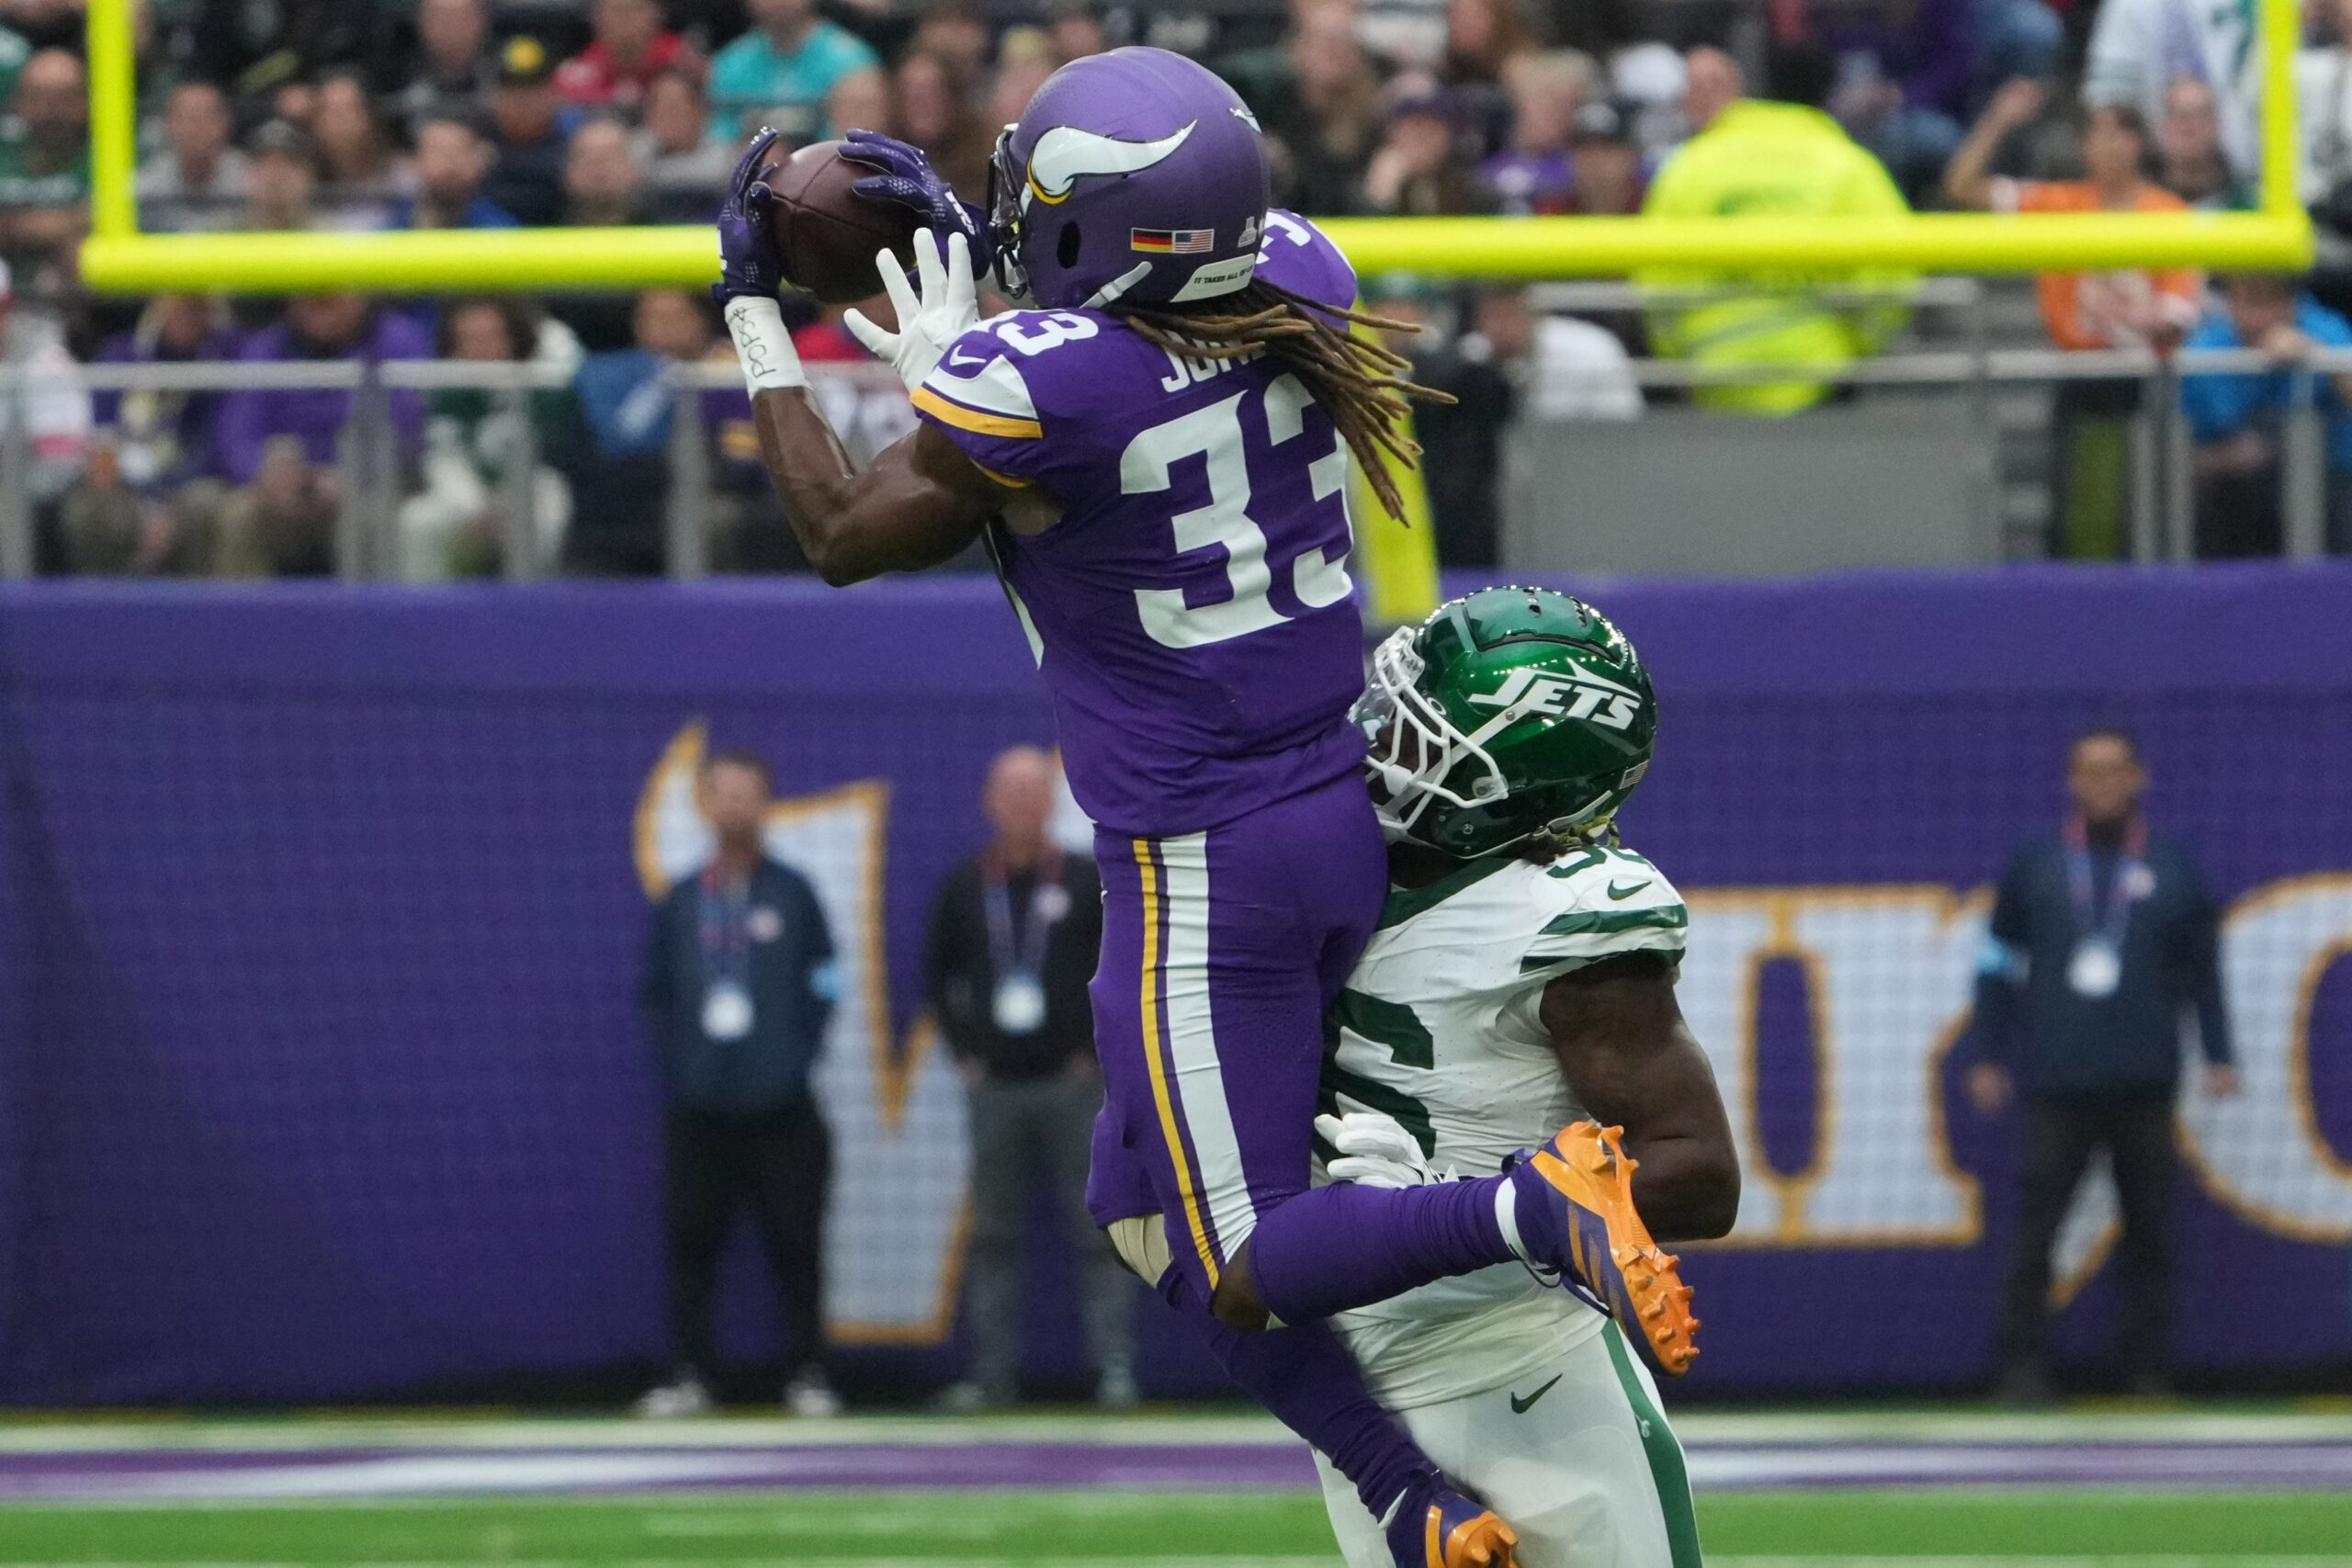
(2102, 938)
(737, 990)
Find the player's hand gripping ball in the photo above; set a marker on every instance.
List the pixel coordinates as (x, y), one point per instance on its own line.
(826, 234)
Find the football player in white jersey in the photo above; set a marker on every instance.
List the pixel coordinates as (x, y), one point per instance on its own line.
(1521, 979)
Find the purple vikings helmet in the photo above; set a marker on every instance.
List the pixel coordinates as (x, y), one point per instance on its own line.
(1135, 175)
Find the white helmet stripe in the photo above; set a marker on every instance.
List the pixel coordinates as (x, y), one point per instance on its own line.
(1065, 153)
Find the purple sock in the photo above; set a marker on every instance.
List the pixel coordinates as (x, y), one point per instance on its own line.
(1346, 1246)
(1305, 1378)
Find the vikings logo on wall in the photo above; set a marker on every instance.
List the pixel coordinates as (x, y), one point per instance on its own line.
(894, 1243)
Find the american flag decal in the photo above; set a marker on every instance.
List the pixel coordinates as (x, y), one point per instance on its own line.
(1173, 242)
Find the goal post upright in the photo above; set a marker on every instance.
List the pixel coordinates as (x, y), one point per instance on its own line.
(118, 259)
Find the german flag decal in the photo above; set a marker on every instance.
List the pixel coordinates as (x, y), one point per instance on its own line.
(1173, 242)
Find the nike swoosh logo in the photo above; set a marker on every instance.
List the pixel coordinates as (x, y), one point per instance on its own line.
(1617, 894)
(1521, 1407)
(959, 357)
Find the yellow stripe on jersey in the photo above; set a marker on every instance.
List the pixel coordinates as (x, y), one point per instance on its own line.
(1155, 906)
(980, 423)
(1010, 481)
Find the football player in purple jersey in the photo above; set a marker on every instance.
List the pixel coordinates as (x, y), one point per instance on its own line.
(1155, 456)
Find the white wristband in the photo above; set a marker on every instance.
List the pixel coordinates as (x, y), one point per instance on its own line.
(761, 343)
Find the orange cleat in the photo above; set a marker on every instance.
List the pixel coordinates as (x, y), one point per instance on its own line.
(1449, 1530)
(1575, 1212)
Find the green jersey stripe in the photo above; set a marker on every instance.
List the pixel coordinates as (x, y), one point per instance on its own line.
(1660, 1447)
(1608, 922)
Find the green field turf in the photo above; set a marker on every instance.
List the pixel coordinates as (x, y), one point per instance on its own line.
(1268, 1530)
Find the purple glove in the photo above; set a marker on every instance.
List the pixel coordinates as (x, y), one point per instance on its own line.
(749, 266)
(908, 179)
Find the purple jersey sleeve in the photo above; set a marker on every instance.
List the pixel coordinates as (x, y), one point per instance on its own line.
(1007, 407)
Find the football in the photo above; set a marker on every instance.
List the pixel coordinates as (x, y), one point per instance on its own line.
(827, 235)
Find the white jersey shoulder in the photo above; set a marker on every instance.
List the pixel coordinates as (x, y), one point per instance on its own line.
(1440, 1027)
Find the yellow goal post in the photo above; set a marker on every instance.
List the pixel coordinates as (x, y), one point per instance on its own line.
(2276, 236)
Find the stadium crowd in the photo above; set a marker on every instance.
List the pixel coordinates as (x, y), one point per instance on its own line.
(367, 114)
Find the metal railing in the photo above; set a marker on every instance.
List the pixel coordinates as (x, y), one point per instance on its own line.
(370, 472)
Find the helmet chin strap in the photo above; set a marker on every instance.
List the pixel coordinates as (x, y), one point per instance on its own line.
(1102, 298)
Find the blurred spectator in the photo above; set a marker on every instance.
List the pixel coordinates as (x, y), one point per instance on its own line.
(197, 180)
(45, 168)
(14, 50)
(1461, 441)
(859, 101)
(2189, 143)
(1531, 174)
(165, 440)
(685, 172)
(1077, 31)
(2324, 100)
(1713, 81)
(1606, 173)
(2139, 48)
(956, 28)
(602, 182)
(282, 445)
(279, 179)
(1562, 367)
(1943, 66)
(2127, 309)
(453, 526)
(603, 186)
(2117, 309)
(2239, 421)
(630, 48)
(451, 162)
(526, 177)
(737, 989)
(254, 49)
(1012, 945)
(1318, 98)
(1418, 170)
(361, 177)
(1017, 81)
(1483, 38)
(1781, 156)
(1410, 33)
(783, 70)
(621, 491)
(105, 528)
(456, 70)
(56, 410)
(2103, 940)
(937, 114)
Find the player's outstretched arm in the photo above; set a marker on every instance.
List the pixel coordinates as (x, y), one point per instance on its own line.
(921, 503)
(1624, 1049)
(922, 500)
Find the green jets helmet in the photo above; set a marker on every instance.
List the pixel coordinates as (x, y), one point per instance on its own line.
(1510, 714)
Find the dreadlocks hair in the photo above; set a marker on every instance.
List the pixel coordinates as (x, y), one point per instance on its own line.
(1358, 382)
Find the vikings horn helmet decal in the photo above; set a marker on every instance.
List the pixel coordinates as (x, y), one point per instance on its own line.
(1134, 175)
(1065, 153)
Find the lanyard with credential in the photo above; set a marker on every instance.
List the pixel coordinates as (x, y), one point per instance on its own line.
(1026, 954)
(2097, 967)
(727, 1012)
(1019, 959)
